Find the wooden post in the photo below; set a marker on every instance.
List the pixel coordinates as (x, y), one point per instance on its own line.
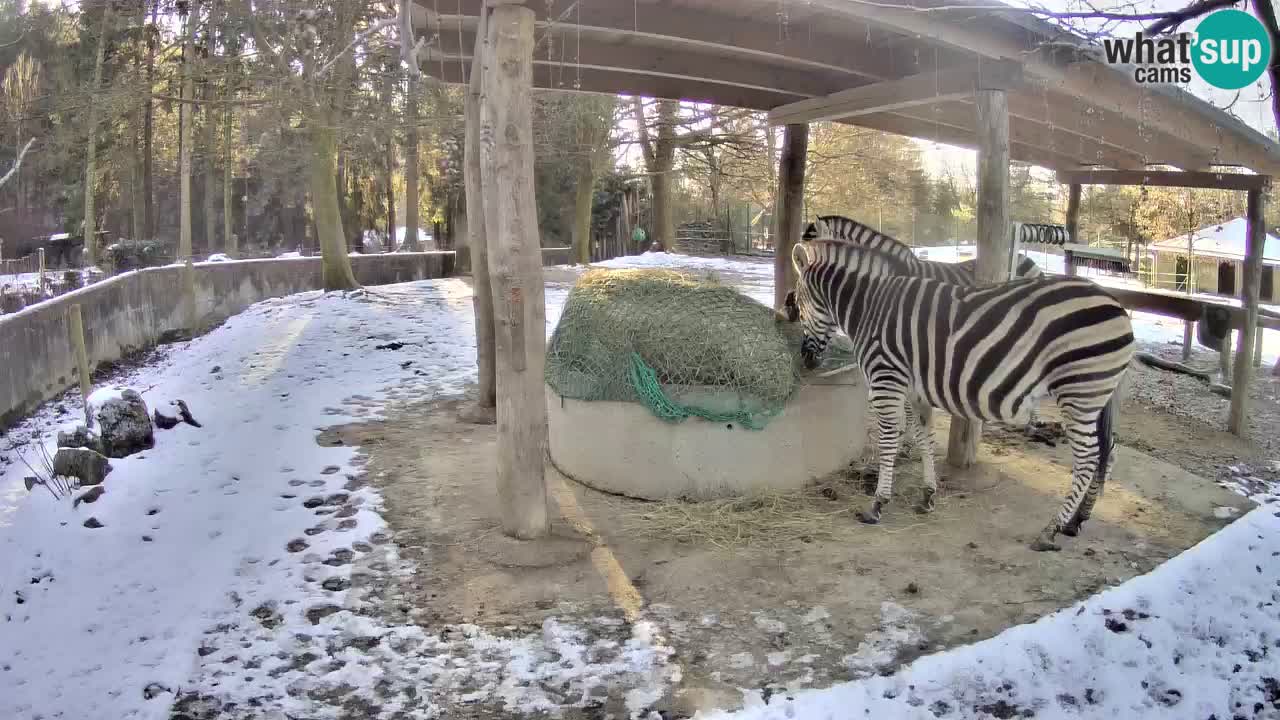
(1186, 339)
(1073, 227)
(477, 247)
(1257, 346)
(515, 263)
(1224, 359)
(75, 325)
(40, 276)
(1242, 378)
(993, 245)
(795, 150)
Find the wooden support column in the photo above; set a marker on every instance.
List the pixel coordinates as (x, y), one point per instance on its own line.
(1241, 379)
(477, 248)
(993, 223)
(515, 265)
(1073, 227)
(790, 212)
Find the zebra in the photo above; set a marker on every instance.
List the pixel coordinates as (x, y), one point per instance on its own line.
(846, 229)
(977, 353)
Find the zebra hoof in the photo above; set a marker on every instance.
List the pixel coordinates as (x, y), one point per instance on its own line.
(926, 503)
(1045, 543)
(1072, 529)
(871, 516)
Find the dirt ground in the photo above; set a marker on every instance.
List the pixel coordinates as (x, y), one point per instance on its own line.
(778, 616)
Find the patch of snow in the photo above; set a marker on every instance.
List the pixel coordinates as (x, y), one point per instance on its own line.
(219, 257)
(198, 535)
(897, 630)
(1194, 638)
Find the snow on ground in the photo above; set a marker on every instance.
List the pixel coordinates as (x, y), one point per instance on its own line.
(1198, 637)
(208, 532)
(223, 565)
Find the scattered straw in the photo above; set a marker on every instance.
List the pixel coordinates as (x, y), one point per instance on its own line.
(773, 517)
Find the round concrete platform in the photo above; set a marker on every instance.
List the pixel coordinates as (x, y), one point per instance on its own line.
(620, 447)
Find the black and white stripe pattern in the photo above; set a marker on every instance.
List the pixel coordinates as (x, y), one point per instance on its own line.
(843, 229)
(978, 353)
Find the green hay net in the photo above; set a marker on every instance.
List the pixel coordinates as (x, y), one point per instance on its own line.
(680, 345)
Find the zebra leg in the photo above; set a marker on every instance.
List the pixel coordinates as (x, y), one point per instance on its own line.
(924, 440)
(1081, 433)
(887, 406)
(1072, 528)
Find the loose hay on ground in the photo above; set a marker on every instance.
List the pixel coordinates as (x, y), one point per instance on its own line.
(737, 522)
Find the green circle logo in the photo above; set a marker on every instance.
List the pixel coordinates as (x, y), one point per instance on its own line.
(1232, 49)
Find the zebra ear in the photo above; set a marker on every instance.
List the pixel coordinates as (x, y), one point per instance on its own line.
(800, 258)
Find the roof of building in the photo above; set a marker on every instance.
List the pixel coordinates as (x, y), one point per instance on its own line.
(1100, 253)
(902, 66)
(1222, 240)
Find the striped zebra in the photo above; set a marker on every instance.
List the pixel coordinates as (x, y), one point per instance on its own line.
(977, 353)
(845, 229)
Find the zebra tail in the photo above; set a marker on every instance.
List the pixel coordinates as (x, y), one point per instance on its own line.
(1106, 437)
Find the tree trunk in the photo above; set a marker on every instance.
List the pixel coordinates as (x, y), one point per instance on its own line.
(184, 133)
(389, 187)
(511, 222)
(337, 274)
(210, 154)
(148, 193)
(412, 194)
(482, 298)
(91, 149)
(582, 196)
(229, 238)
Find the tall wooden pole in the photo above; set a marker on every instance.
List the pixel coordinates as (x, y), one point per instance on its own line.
(1073, 227)
(478, 254)
(993, 223)
(515, 264)
(790, 215)
(1242, 377)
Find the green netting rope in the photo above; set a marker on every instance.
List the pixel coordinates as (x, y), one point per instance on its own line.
(649, 390)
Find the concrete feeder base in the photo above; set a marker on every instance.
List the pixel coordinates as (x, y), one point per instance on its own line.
(620, 447)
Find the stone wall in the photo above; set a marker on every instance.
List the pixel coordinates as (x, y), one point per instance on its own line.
(135, 310)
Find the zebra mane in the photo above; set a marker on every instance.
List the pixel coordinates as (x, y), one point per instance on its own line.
(841, 229)
(848, 255)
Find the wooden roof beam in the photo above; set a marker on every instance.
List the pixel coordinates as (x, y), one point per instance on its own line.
(692, 63)
(962, 116)
(960, 137)
(893, 95)
(1169, 113)
(610, 81)
(673, 25)
(1166, 178)
(1073, 123)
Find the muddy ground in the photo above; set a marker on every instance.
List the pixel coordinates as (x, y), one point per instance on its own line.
(848, 601)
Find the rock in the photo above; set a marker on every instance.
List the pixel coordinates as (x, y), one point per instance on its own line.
(92, 523)
(89, 466)
(80, 437)
(185, 414)
(89, 496)
(215, 369)
(125, 425)
(164, 422)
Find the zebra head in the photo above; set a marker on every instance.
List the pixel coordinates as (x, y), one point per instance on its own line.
(820, 229)
(803, 305)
